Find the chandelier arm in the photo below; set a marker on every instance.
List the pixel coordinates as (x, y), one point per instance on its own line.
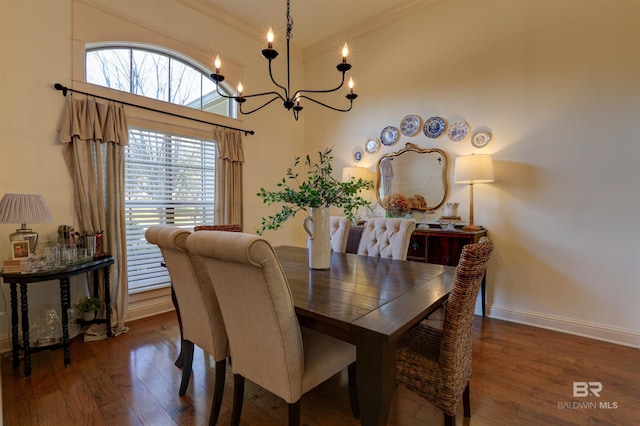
(273, 80)
(329, 106)
(299, 92)
(235, 98)
(260, 107)
(222, 94)
(255, 95)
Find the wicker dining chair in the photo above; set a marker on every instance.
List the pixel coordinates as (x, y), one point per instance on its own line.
(436, 363)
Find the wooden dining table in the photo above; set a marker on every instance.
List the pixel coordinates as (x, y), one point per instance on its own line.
(370, 302)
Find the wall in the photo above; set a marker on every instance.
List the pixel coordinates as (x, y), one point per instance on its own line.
(554, 80)
(556, 84)
(42, 44)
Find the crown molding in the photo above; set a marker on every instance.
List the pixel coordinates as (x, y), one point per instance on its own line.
(363, 28)
(327, 43)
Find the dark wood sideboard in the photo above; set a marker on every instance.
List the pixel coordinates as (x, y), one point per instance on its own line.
(432, 245)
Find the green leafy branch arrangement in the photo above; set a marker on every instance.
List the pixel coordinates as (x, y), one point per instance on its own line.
(319, 189)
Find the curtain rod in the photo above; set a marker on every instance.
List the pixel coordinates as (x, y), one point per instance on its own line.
(64, 89)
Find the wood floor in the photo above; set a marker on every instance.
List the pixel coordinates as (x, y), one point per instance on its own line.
(521, 376)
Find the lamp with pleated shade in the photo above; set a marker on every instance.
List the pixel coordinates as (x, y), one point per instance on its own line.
(23, 209)
(472, 169)
(356, 173)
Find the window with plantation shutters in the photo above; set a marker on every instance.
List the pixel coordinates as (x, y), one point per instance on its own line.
(169, 179)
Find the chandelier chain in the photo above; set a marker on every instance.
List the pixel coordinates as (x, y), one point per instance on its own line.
(289, 21)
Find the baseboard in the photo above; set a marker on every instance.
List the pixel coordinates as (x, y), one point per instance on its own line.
(596, 331)
(148, 307)
(153, 306)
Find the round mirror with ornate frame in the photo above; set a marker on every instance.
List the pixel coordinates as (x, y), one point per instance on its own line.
(414, 172)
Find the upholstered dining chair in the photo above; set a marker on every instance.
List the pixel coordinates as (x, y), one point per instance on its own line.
(436, 363)
(386, 237)
(234, 227)
(339, 227)
(201, 319)
(267, 344)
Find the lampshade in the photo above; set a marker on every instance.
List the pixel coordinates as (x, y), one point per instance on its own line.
(360, 173)
(474, 168)
(23, 209)
(357, 173)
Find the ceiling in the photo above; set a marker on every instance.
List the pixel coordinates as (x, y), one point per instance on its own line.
(314, 21)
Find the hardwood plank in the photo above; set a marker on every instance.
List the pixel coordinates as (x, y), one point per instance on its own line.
(520, 374)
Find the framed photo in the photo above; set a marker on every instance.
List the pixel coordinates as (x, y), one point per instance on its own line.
(20, 249)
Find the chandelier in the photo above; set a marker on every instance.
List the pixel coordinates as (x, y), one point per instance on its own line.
(290, 100)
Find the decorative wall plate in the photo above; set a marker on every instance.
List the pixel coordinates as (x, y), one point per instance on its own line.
(458, 131)
(410, 125)
(358, 153)
(372, 145)
(434, 127)
(389, 135)
(481, 139)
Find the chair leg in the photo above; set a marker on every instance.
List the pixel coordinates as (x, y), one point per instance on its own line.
(353, 391)
(466, 402)
(238, 395)
(449, 420)
(294, 413)
(187, 349)
(180, 360)
(221, 369)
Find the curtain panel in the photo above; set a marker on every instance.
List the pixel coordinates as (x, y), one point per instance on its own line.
(229, 176)
(95, 135)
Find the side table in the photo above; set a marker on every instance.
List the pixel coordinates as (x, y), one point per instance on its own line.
(63, 275)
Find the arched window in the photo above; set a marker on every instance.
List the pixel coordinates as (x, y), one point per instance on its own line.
(169, 174)
(155, 73)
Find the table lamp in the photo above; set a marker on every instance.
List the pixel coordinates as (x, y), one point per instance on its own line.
(472, 169)
(23, 209)
(356, 173)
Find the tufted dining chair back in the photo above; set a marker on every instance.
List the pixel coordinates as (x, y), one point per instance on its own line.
(386, 237)
(339, 228)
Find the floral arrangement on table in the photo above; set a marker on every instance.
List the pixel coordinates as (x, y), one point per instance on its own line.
(316, 188)
(396, 201)
(417, 201)
(396, 204)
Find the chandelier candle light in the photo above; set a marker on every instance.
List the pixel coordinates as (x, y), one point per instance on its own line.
(290, 100)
